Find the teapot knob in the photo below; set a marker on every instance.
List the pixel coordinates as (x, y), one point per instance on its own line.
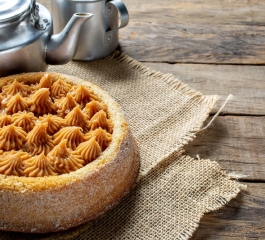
(36, 20)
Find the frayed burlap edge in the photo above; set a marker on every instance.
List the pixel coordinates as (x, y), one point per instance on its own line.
(169, 78)
(200, 98)
(219, 202)
(197, 97)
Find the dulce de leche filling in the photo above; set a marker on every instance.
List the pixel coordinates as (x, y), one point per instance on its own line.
(50, 128)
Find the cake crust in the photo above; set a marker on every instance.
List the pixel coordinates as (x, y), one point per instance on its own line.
(56, 203)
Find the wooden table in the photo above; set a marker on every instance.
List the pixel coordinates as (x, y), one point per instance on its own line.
(216, 47)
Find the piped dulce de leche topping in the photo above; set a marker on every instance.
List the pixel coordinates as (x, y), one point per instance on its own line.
(82, 95)
(5, 120)
(25, 120)
(39, 166)
(93, 107)
(45, 81)
(73, 135)
(54, 123)
(12, 163)
(65, 105)
(41, 102)
(38, 140)
(100, 120)
(3, 98)
(12, 138)
(15, 88)
(89, 150)
(63, 160)
(101, 136)
(77, 118)
(22, 154)
(59, 89)
(16, 103)
(60, 128)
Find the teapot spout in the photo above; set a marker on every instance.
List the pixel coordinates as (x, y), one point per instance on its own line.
(62, 47)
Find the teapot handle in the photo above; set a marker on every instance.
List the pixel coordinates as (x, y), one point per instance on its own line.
(120, 6)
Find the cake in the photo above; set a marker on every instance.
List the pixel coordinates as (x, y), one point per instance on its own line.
(67, 154)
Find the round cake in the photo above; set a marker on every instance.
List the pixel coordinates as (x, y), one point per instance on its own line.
(66, 152)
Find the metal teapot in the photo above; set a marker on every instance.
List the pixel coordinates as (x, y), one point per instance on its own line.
(26, 40)
(99, 36)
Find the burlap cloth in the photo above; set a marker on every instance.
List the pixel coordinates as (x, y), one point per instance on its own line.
(173, 190)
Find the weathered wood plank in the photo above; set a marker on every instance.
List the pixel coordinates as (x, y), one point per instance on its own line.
(194, 43)
(195, 31)
(221, 12)
(246, 83)
(242, 218)
(236, 143)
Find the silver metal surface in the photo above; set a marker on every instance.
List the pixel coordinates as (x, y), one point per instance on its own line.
(24, 44)
(12, 10)
(99, 37)
(62, 47)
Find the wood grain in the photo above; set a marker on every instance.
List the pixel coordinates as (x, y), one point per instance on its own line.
(246, 83)
(194, 43)
(236, 143)
(242, 218)
(195, 31)
(214, 12)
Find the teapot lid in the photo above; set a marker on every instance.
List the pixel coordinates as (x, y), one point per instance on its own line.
(13, 11)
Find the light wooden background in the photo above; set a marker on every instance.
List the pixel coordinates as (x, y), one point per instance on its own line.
(216, 47)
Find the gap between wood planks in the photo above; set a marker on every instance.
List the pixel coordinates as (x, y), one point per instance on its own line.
(237, 115)
(198, 63)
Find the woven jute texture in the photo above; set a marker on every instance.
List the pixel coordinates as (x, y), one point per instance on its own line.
(173, 190)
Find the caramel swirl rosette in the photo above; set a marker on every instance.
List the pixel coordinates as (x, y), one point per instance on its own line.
(65, 105)
(54, 123)
(41, 102)
(16, 104)
(82, 95)
(100, 120)
(77, 118)
(12, 138)
(15, 88)
(101, 136)
(39, 166)
(45, 81)
(59, 89)
(93, 107)
(38, 140)
(89, 150)
(63, 159)
(13, 163)
(72, 134)
(5, 120)
(25, 120)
